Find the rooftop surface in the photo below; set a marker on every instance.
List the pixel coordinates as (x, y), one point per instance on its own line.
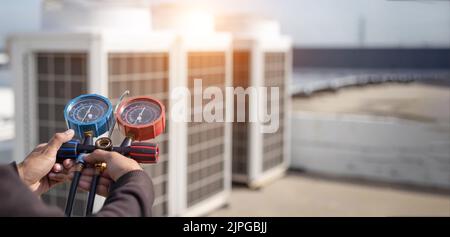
(298, 194)
(413, 101)
(303, 194)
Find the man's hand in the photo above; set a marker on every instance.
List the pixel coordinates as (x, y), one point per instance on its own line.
(87, 174)
(39, 171)
(116, 166)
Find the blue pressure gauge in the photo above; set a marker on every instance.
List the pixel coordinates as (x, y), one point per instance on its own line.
(90, 113)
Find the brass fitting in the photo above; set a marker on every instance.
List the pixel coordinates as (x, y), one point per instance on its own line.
(79, 167)
(130, 136)
(104, 143)
(100, 168)
(88, 134)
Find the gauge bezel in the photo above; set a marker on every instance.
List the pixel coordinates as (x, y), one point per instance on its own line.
(98, 126)
(141, 132)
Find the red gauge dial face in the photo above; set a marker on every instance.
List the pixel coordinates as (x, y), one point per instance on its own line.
(141, 113)
(141, 118)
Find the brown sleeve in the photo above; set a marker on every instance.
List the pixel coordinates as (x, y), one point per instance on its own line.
(16, 199)
(131, 195)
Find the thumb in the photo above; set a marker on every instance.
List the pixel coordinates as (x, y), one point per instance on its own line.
(98, 156)
(57, 140)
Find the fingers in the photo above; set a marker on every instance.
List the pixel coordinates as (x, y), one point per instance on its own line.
(57, 168)
(102, 185)
(58, 139)
(57, 177)
(101, 188)
(101, 181)
(59, 172)
(68, 163)
(40, 147)
(98, 156)
(86, 179)
(66, 166)
(90, 171)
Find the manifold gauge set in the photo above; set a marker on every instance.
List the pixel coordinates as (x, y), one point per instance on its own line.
(93, 119)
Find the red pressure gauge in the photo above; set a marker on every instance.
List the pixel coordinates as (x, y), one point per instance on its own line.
(141, 118)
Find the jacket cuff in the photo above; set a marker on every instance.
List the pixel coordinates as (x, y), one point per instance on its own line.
(126, 177)
(13, 166)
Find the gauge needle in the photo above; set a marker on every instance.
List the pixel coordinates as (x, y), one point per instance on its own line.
(87, 112)
(140, 115)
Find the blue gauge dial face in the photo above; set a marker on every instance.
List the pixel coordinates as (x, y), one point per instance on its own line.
(88, 110)
(140, 113)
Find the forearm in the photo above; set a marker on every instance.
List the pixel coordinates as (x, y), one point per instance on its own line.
(17, 199)
(131, 195)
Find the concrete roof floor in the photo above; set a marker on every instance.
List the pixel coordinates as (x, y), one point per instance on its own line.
(412, 101)
(298, 194)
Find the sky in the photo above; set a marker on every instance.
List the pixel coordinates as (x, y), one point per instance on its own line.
(311, 23)
(18, 16)
(351, 23)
